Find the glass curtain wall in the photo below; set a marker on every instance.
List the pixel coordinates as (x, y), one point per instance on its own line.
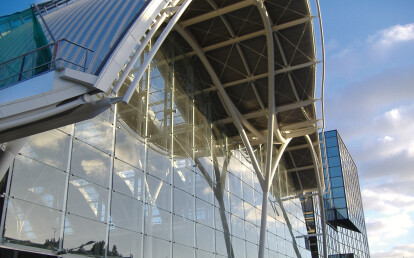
(154, 178)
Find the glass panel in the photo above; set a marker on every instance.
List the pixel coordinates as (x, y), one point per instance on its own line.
(235, 185)
(207, 164)
(330, 142)
(248, 194)
(252, 251)
(222, 218)
(336, 181)
(250, 213)
(334, 161)
(96, 132)
(158, 193)
(204, 254)
(330, 134)
(129, 149)
(251, 232)
(238, 247)
(183, 231)
(338, 192)
(32, 225)
(236, 206)
(83, 236)
(332, 151)
(335, 171)
(50, 147)
(182, 251)
(203, 190)
(124, 243)
(221, 243)
(237, 226)
(159, 165)
(183, 204)
(126, 212)
(156, 248)
(183, 179)
(204, 213)
(91, 164)
(157, 222)
(205, 238)
(340, 203)
(87, 199)
(128, 180)
(38, 183)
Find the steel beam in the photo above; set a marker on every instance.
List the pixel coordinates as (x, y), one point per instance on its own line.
(320, 194)
(216, 13)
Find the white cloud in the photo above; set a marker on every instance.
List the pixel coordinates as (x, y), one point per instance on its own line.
(386, 228)
(397, 251)
(387, 202)
(393, 35)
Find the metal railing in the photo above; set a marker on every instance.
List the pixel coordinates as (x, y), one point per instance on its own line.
(41, 60)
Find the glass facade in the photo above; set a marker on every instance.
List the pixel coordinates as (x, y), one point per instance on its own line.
(154, 178)
(346, 231)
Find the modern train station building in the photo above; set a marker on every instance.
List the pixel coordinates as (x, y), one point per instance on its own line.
(170, 128)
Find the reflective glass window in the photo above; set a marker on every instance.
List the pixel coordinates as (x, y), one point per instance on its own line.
(184, 179)
(340, 203)
(84, 236)
(124, 243)
(335, 171)
(129, 149)
(334, 161)
(182, 251)
(330, 134)
(238, 247)
(205, 238)
(90, 163)
(204, 254)
(31, 224)
(332, 151)
(183, 204)
(157, 222)
(159, 165)
(87, 199)
(330, 142)
(156, 248)
(96, 132)
(338, 192)
(336, 181)
(39, 183)
(183, 230)
(50, 147)
(128, 180)
(158, 193)
(204, 213)
(235, 185)
(203, 190)
(237, 226)
(126, 212)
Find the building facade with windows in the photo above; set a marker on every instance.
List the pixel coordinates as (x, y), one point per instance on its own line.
(346, 234)
(160, 128)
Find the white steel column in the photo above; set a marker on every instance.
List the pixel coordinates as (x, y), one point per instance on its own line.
(320, 194)
(8, 154)
(225, 98)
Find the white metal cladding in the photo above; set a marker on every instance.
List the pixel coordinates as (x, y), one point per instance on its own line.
(94, 24)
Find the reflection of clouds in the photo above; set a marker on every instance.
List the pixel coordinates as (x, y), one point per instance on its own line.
(93, 166)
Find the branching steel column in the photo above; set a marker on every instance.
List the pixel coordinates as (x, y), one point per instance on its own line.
(320, 194)
(226, 99)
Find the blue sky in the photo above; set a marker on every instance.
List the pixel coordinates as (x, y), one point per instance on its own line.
(369, 98)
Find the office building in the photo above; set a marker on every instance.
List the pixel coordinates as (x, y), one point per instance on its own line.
(346, 234)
